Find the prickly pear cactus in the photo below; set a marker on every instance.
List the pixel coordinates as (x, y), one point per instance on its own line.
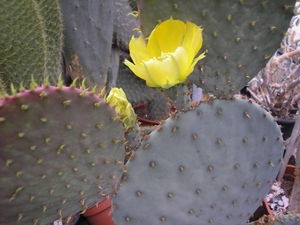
(239, 36)
(30, 40)
(88, 39)
(211, 165)
(61, 151)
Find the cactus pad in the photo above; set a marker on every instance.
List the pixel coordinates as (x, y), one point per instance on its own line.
(124, 24)
(158, 108)
(239, 36)
(88, 39)
(61, 151)
(31, 41)
(211, 165)
(179, 96)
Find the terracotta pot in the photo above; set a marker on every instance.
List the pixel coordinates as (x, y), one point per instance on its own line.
(290, 173)
(267, 207)
(100, 214)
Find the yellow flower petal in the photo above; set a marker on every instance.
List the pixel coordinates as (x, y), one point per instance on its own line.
(138, 44)
(138, 51)
(153, 48)
(166, 37)
(181, 59)
(140, 71)
(191, 68)
(193, 38)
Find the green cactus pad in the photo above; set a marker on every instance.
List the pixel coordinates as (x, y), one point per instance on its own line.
(239, 36)
(30, 40)
(211, 165)
(61, 151)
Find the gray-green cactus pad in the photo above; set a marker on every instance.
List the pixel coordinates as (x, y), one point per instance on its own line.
(61, 151)
(88, 39)
(212, 165)
(124, 24)
(239, 36)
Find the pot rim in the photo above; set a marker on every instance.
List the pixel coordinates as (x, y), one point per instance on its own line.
(98, 207)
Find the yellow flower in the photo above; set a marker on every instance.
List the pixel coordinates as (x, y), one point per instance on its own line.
(118, 99)
(169, 56)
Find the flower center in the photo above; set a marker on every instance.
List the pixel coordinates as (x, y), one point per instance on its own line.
(163, 56)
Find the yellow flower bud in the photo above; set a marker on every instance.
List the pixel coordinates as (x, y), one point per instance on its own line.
(169, 56)
(118, 99)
